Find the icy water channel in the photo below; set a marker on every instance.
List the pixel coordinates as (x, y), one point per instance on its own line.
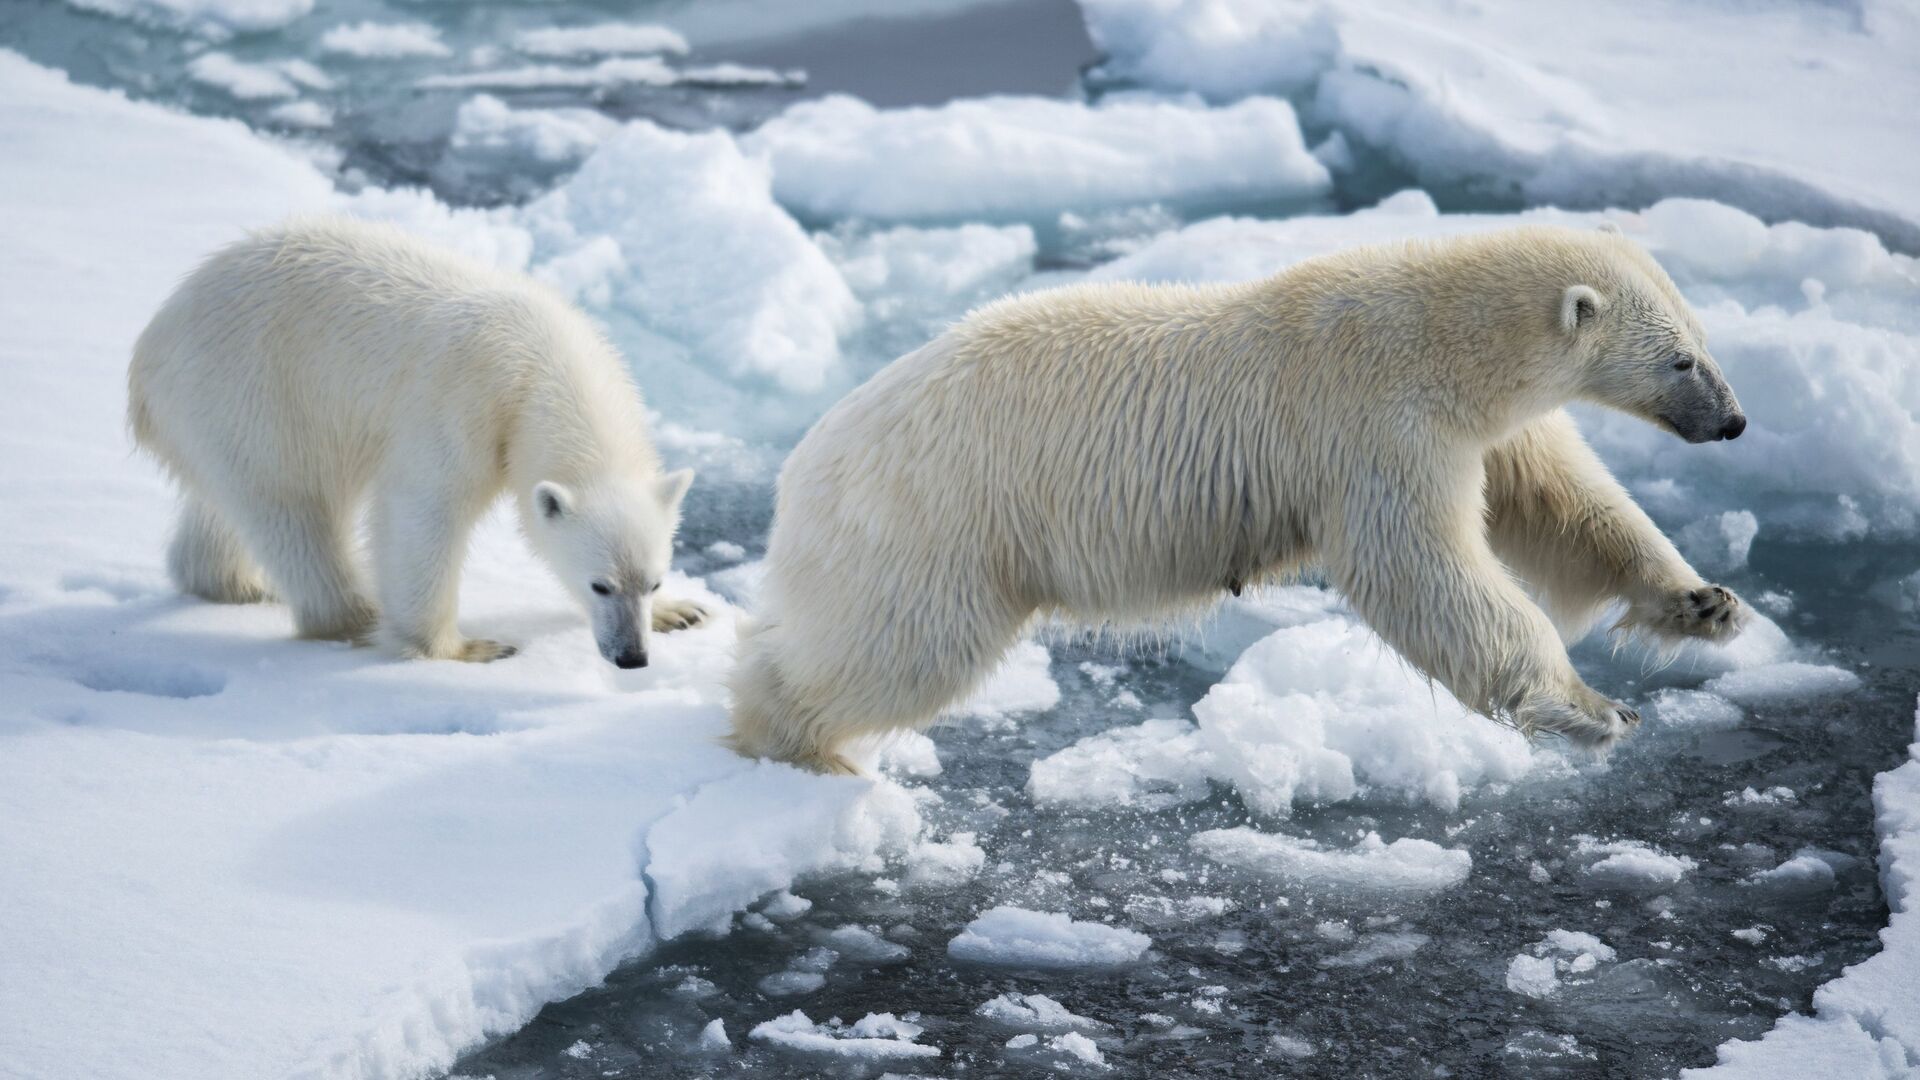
(1292, 981)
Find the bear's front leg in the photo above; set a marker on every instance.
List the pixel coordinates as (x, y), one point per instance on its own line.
(419, 541)
(1416, 565)
(1560, 519)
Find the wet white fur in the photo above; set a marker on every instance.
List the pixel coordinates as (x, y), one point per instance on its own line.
(326, 365)
(1113, 454)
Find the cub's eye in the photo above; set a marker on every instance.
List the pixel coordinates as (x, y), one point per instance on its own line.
(655, 589)
(1683, 362)
(601, 588)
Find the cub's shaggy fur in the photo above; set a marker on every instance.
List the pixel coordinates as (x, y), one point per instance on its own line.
(1118, 453)
(327, 364)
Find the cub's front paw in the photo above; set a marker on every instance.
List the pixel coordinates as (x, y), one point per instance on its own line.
(669, 615)
(1587, 719)
(1709, 612)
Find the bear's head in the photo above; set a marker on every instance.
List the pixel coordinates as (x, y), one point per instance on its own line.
(1640, 348)
(610, 541)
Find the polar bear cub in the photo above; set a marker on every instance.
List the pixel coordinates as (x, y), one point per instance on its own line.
(328, 365)
(1112, 454)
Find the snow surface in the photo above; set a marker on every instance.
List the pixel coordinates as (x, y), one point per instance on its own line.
(1662, 97)
(263, 857)
(1017, 937)
(1009, 158)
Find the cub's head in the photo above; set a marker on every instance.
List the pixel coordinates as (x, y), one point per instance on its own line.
(610, 542)
(1641, 349)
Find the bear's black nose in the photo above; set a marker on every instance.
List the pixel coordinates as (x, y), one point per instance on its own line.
(631, 659)
(1733, 427)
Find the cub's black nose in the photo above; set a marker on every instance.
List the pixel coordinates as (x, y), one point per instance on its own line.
(631, 659)
(1733, 427)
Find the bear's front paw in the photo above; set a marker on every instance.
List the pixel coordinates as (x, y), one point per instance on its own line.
(670, 615)
(1590, 721)
(1708, 612)
(482, 651)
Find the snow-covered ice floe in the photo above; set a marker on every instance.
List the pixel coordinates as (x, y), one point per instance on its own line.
(1407, 866)
(263, 857)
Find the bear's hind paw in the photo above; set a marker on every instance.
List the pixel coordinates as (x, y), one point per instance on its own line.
(1595, 726)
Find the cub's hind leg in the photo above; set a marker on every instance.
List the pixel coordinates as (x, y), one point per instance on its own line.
(206, 558)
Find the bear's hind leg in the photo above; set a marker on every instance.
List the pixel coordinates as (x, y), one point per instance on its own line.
(304, 545)
(419, 542)
(207, 560)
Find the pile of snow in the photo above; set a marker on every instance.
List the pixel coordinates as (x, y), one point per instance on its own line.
(256, 82)
(1539, 972)
(603, 39)
(384, 41)
(1016, 937)
(310, 859)
(1679, 99)
(682, 231)
(1028, 159)
(216, 19)
(1631, 864)
(1867, 1021)
(1313, 713)
(1407, 866)
(1815, 328)
(874, 1037)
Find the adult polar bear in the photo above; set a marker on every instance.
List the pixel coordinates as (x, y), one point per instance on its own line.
(1119, 453)
(308, 366)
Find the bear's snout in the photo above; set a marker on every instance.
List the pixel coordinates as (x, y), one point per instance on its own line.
(631, 658)
(1732, 428)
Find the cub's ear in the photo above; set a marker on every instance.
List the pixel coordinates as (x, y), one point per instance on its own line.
(1579, 306)
(671, 488)
(551, 501)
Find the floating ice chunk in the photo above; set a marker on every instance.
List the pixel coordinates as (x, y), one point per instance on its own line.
(784, 906)
(1792, 681)
(1291, 1047)
(384, 41)
(603, 39)
(1752, 935)
(218, 19)
(1036, 1013)
(1407, 865)
(875, 1037)
(714, 1036)
(1773, 796)
(791, 983)
(706, 256)
(1695, 710)
(1372, 949)
(486, 127)
(1079, 1047)
(1631, 863)
(302, 115)
(1154, 764)
(725, 551)
(1562, 953)
(1017, 937)
(620, 71)
(1534, 976)
(862, 944)
(1720, 543)
(241, 80)
(1023, 683)
(944, 865)
(1802, 873)
(1028, 159)
(579, 1050)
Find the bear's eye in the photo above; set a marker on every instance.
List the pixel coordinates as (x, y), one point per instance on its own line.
(655, 589)
(1683, 362)
(601, 588)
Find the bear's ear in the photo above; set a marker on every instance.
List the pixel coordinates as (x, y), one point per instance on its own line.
(671, 488)
(552, 501)
(1579, 306)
